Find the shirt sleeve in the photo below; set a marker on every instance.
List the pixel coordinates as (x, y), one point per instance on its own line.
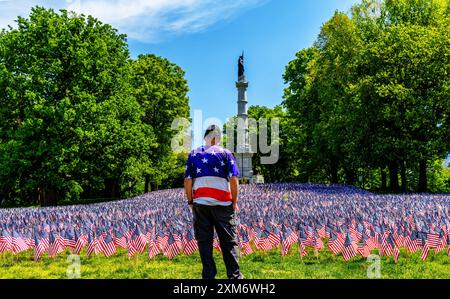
(233, 169)
(189, 173)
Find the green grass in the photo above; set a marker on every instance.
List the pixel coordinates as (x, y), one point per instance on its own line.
(257, 265)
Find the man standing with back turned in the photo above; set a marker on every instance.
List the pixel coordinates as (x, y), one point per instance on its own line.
(211, 185)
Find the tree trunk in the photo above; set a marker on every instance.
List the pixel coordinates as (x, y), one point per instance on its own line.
(393, 176)
(47, 196)
(334, 171)
(112, 188)
(383, 180)
(350, 177)
(403, 176)
(422, 176)
(154, 186)
(147, 183)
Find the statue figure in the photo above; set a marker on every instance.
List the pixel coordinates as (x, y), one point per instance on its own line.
(241, 67)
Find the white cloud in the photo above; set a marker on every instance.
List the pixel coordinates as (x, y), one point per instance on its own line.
(145, 20)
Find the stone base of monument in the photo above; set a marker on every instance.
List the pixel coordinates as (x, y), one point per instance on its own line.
(255, 179)
(259, 179)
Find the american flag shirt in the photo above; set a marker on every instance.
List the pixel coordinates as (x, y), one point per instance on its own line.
(210, 168)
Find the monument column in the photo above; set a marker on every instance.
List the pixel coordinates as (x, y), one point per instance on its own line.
(243, 151)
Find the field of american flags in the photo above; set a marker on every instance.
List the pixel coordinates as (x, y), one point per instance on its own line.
(258, 265)
(285, 230)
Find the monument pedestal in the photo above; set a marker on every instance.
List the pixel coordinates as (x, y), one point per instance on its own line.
(244, 161)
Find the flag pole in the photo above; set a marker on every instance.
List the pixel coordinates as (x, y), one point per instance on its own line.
(406, 254)
(300, 252)
(282, 255)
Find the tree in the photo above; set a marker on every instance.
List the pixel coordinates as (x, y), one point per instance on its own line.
(373, 93)
(161, 90)
(318, 98)
(404, 74)
(281, 170)
(69, 122)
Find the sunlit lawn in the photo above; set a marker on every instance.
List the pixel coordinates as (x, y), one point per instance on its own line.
(257, 265)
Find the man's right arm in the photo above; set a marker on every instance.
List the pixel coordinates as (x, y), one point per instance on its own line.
(234, 188)
(233, 176)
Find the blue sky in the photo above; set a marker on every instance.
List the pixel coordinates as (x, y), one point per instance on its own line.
(205, 37)
(270, 34)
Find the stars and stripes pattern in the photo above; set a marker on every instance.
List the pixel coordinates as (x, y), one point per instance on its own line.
(41, 244)
(210, 167)
(173, 247)
(288, 237)
(350, 248)
(190, 244)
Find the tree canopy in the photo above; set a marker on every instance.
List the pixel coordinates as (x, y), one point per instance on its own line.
(79, 116)
(372, 94)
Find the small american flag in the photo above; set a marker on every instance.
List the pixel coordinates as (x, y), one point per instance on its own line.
(190, 245)
(18, 244)
(425, 248)
(108, 246)
(364, 248)
(244, 240)
(153, 248)
(350, 248)
(394, 247)
(41, 244)
(5, 241)
(69, 240)
(161, 239)
(82, 240)
(120, 238)
(336, 243)
(289, 237)
(274, 236)
(173, 248)
(137, 243)
(92, 244)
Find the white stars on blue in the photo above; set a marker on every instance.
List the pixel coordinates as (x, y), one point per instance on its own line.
(214, 161)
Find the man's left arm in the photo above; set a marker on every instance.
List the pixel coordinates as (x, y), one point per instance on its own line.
(188, 190)
(188, 175)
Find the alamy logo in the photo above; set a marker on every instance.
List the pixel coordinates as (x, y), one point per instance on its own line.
(242, 135)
